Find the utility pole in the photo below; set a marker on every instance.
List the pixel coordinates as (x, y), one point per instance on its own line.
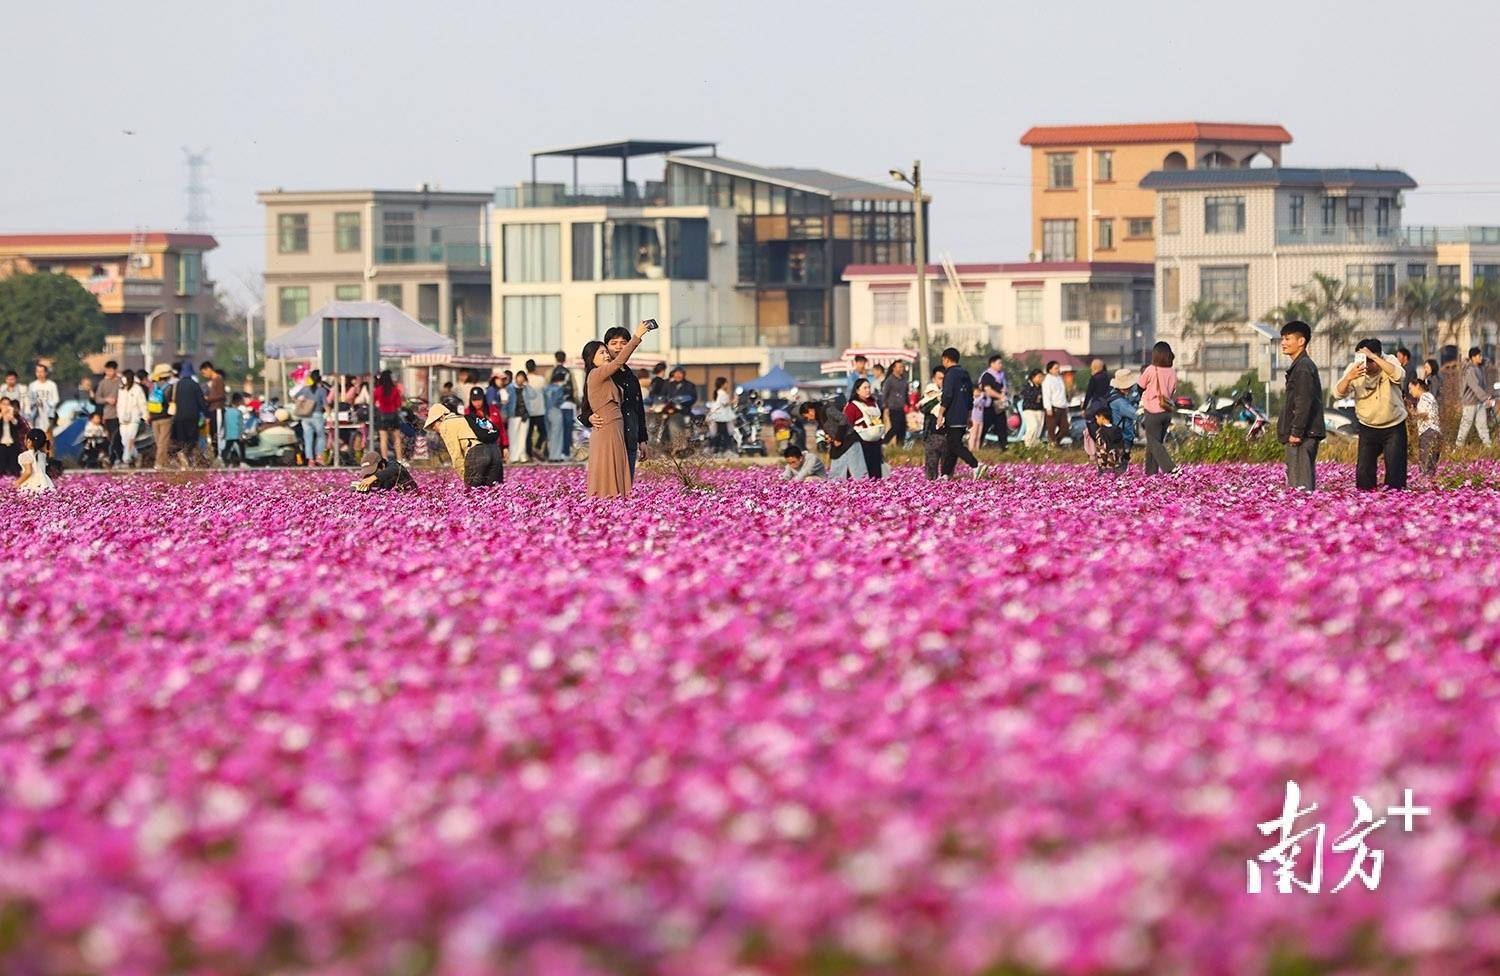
(924, 357)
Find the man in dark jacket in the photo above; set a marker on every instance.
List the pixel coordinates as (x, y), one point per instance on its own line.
(957, 404)
(189, 399)
(1300, 426)
(680, 395)
(632, 405)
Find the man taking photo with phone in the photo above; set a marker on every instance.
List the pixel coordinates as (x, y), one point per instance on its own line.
(1374, 380)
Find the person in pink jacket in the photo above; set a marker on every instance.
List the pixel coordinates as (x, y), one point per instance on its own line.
(1158, 387)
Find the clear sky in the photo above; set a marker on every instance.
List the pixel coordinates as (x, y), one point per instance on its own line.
(100, 97)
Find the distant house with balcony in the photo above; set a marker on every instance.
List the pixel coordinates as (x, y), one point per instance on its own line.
(742, 264)
(1249, 239)
(1100, 309)
(426, 251)
(133, 275)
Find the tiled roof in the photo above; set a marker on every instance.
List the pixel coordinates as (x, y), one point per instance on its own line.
(117, 242)
(1088, 135)
(1188, 179)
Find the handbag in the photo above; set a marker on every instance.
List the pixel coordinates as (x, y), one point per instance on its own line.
(1164, 401)
(304, 407)
(871, 432)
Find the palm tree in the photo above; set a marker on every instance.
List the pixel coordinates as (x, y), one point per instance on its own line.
(1201, 319)
(1482, 306)
(1422, 303)
(1335, 307)
(1292, 311)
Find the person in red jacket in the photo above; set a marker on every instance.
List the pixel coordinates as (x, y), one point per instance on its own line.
(863, 414)
(480, 408)
(387, 402)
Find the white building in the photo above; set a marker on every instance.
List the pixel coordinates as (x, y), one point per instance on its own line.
(1088, 309)
(1250, 239)
(741, 264)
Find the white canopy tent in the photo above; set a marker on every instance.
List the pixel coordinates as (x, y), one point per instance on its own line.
(401, 336)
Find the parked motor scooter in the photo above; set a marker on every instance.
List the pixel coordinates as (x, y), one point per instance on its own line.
(274, 445)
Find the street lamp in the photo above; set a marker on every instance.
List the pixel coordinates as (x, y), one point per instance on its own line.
(148, 347)
(924, 363)
(250, 342)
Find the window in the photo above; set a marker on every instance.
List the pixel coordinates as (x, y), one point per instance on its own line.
(187, 332)
(1448, 275)
(1383, 215)
(294, 304)
(1075, 302)
(1361, 280)
(291, 233)
(1059, 240)
(626, 311)
(1138, 228)
(1487, 272)
(586, 252)
(1330, 213)
(1059, 171)
(1385, 285)
(1227, 287)
(1354, 209)
(398, 235)
(346, 232)
(348, 293)
(1171, 300)
(942, 297)
(1171, 215)
(687, 249)
(532, 252)
(1226, 356)
(1416, 272)
(1296, 207)
(389, 293)
(890, 308)
(533, 323)
(189, 272)
(1223, 215)
(1106, 234)
(1028, 306)
(1105, 166)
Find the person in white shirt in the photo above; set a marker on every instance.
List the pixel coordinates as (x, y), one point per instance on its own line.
(1429, 429)
(132, 412)
(42, 400)
(34, 479)
(1055, 403)
(13, 390)
(721, 417)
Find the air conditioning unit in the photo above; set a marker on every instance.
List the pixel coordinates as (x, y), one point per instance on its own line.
(140, 260)
(1033, 256)
(716, 236)
(1400, 200)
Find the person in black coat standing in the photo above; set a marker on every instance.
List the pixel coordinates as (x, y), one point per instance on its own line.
(956, 405)
(188, 396)
(1300, 426)
(632, 404)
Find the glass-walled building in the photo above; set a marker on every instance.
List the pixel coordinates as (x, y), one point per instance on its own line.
(741, 264)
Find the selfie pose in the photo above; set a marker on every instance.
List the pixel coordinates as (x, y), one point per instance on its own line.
(609, 464)
(1374, 381)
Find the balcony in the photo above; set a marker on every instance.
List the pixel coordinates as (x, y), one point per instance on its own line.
(460, 255)
(694, 336)
(1411, 236)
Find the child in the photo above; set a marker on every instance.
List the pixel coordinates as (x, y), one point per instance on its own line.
(234, 431)
(1429, 431)
(1110, 454)
(94, 448)
(35, 463)
(934, 443)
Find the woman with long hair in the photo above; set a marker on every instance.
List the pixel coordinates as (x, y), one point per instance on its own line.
(721, 417)
(609, 464)
(1158, 386)
(863, 414)
(34, 478)
(132, 413)
(388, 399)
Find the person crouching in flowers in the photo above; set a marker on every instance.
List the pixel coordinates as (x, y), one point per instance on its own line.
(863, 414)
(1111, 456)
(934, 441)
(473, 447)
(609, 463)
(34, 479)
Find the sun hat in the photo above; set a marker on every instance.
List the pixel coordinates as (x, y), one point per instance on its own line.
(161, 371)
(1124, 378)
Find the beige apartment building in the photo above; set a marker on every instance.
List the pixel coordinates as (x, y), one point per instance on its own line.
(144, 278)
(425, 251)
(1086, 200)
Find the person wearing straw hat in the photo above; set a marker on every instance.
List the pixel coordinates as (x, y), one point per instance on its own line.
(159, 410)
(1122, 411)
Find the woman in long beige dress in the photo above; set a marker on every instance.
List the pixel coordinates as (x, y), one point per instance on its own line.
(609, 465)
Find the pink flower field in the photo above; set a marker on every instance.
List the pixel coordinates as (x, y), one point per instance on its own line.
(259, 724)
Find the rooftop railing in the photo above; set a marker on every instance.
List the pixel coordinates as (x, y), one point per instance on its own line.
(472, 255)
(1405, 236)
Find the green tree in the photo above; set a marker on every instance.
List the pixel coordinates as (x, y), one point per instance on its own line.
(1335, 307)
(1294, 310)
(48, 316)
(1482, 307)
(1421, 304)
(1201, 319)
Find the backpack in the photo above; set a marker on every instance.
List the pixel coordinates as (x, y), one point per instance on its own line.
(157, 404)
